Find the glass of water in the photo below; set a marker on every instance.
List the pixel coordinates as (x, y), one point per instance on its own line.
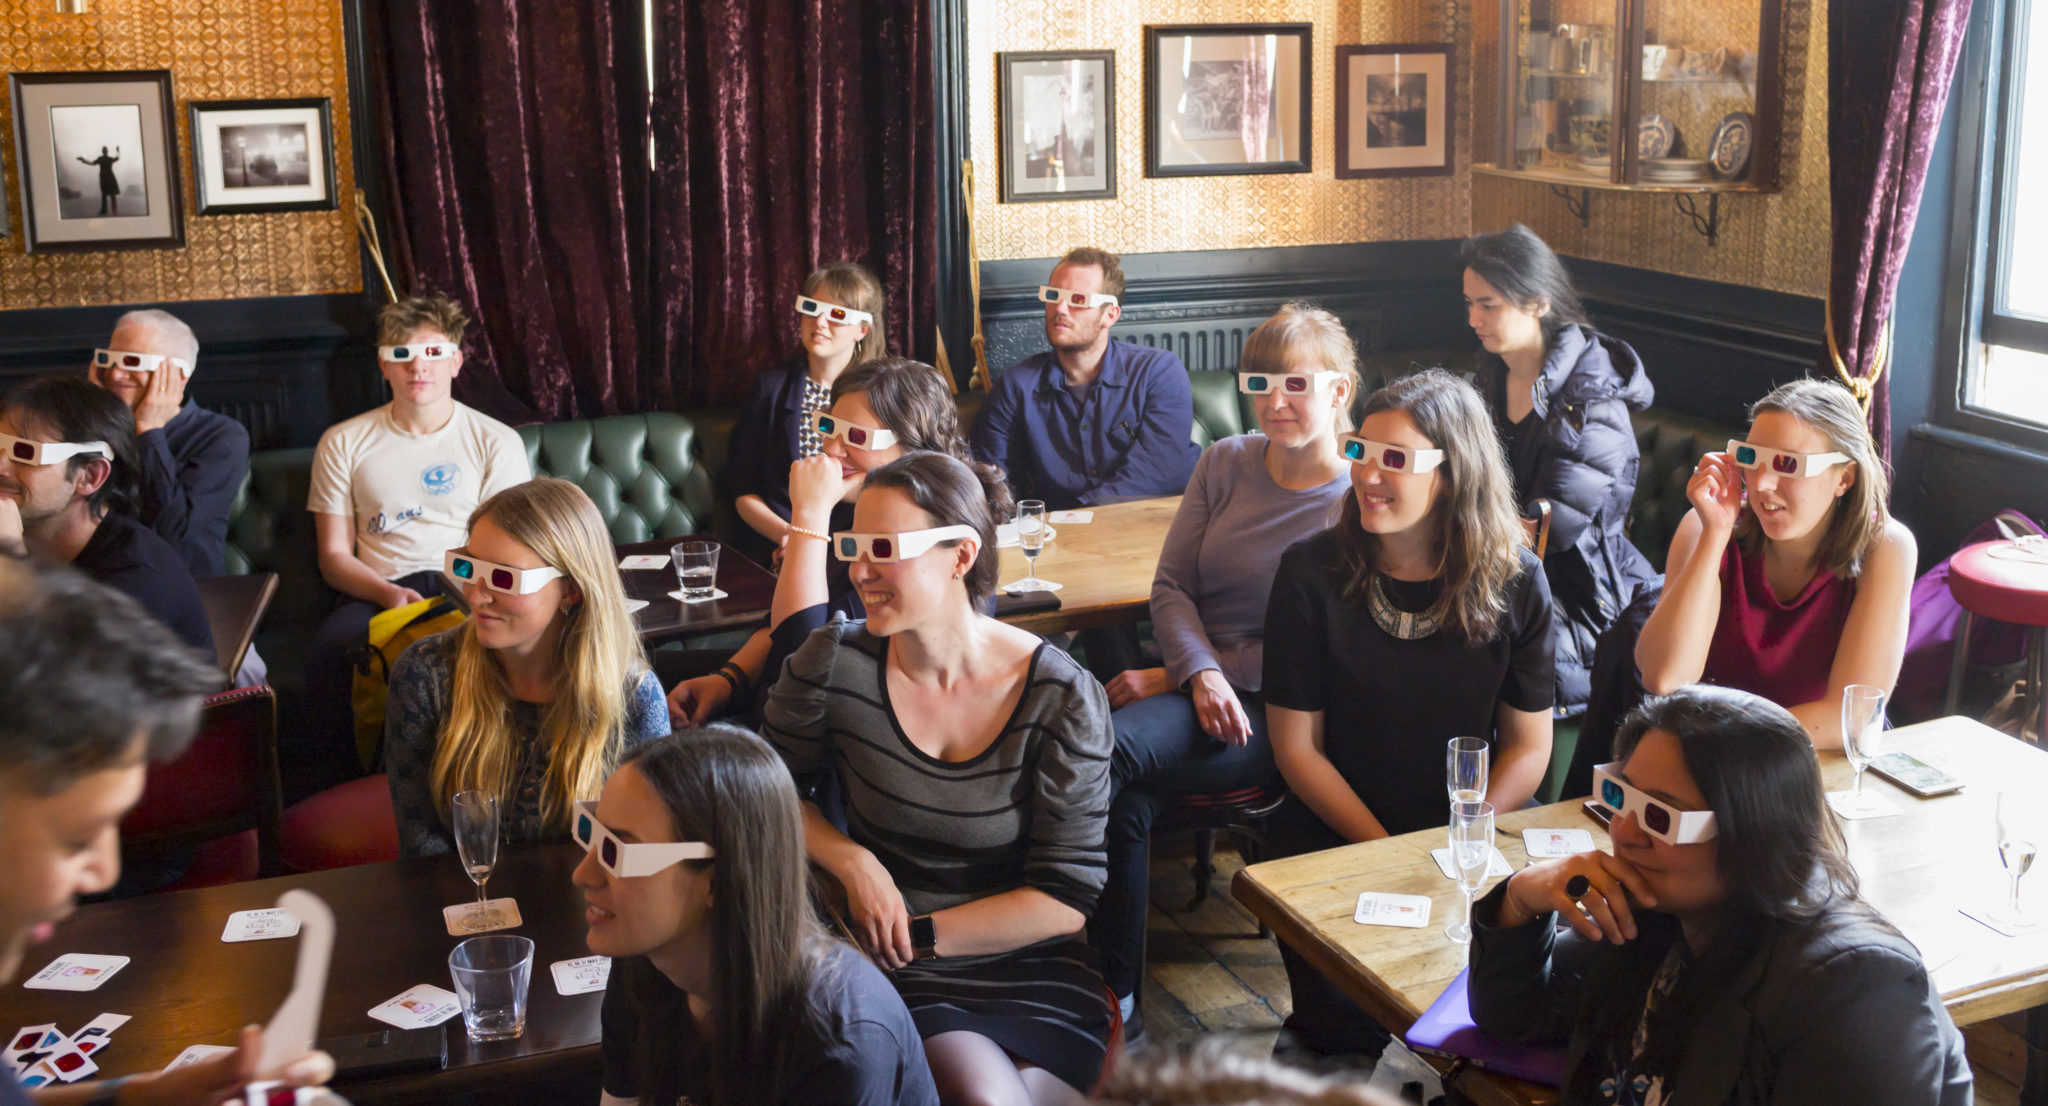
(1465, 760)
(696, 569)
(2017, 823)
(1862, 730)
(1471, 855)
(491, 974)
(475, 818)
(1031, 527)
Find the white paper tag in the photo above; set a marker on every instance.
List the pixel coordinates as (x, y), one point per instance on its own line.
(260, 925)
(455, 917)
(76, 971)
(1497, 866)
(1380, 908)
(581, 976)
(1071, 516)
(645, 560)
(1876, 804)
(1544, 844)
(418, 1007)
(193, 1054)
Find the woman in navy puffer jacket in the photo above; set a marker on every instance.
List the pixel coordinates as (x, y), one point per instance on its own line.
(1561, 393)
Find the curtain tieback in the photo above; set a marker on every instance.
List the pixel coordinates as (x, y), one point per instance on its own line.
(979, 379)
(1862, 387)
(366, 227)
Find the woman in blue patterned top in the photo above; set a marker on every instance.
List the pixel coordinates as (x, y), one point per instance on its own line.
(535, 697)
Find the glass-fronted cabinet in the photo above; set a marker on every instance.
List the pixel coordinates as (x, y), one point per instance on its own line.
(1665, 95)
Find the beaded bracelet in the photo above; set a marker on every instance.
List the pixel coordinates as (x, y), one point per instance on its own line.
(810, 534)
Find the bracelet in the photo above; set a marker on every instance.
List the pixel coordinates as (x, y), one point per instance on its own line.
(795, 529)
(737, 675)
(729, 682)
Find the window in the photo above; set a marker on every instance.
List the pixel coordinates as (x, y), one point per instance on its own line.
(2008, 378)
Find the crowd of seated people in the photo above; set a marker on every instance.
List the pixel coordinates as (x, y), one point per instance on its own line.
(1340, 593)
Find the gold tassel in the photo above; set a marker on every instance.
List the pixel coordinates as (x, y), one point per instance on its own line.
(980, 380)
(366, 227)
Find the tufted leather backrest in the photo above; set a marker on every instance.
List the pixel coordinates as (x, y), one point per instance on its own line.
(642, 471)
(1670, 444)
(270, 530)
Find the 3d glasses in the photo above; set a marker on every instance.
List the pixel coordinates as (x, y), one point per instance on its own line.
(511, 581)
(1750, 456)
(1393, 458)
(432, 351)
(1659, 819)
(885, 548)
(629, 859)
(137, 362)
(30, 452)
(832, 312)
(1075, 299)
(852, 433)
(1293, 384)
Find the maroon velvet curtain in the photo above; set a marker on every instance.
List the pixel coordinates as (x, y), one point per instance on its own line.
(788, 134)
(1890, 63)
(514, 160)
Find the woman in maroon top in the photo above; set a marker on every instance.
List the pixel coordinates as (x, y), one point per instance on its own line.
(1799, 588)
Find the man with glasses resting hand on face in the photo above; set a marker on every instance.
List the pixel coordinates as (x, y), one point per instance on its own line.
(189, 462)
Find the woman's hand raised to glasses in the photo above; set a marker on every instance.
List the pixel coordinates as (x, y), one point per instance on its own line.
(1715, 491)
(1610, 889)
(815, 486)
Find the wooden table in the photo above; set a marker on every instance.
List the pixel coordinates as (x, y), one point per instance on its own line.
(749, 588)
(184, 986)
(1916, 868)
(1105, 566)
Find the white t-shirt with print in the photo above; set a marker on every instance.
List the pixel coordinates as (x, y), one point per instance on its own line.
(410, 495)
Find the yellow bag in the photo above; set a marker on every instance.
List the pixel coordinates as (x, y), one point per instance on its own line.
(390, 632)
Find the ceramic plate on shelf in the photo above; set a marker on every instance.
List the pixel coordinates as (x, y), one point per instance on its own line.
(1729, 151)
(1655, 136)
(1674, 170)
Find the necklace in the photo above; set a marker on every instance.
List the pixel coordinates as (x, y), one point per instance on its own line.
(1405, 625)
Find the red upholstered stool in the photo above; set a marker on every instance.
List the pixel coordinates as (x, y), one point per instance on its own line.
(341, 827)
(2006, 581)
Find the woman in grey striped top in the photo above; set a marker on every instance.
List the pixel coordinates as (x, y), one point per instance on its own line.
(974, 759)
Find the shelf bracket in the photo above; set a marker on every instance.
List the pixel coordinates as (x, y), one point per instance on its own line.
(1580, 207)
(1709, 226)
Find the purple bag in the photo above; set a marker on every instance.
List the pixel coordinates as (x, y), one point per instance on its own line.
(1931, 633)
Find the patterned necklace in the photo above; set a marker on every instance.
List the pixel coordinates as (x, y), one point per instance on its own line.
(1405, 625)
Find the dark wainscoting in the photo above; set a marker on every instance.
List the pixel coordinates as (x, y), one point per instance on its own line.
(286, 367)
(1710, 348)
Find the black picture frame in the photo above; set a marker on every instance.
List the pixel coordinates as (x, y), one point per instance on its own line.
(47, 225)
(1365, 159)
(1173, 150)
(321, 176)
(1013, 132)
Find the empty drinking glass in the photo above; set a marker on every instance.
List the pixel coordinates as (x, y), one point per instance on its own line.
(491, 974)
(1031, 527)
(696, 569)
(1471, 855)
(1465, 769)
(1862, 729)
(475, 817)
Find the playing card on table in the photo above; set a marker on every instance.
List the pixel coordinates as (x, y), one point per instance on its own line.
(1545, 843)
(76, 971)
(583, 975)
(31, 1040)
(194, 1054)
(260, 925)
(62, 1063)
(645, 560)
(418, 1007)
(1381, 908)
(1496, 866)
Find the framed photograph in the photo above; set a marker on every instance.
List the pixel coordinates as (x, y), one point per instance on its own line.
(263, 155)
(1394, 111)
(97, 157)
(1225, 99)
(1058, 129)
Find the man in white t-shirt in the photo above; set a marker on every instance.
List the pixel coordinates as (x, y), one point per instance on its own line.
(393, 489)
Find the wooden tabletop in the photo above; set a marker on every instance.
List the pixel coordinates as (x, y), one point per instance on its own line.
(1105, 566)
(1917, 868)
(185, 986)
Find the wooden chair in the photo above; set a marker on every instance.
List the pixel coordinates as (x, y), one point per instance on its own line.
(215, 809)
(234, 609)
(1242, 812)
(1538, 529)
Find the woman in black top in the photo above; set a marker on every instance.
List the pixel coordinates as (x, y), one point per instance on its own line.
(1723, 954)
(1561, 394)
(839, 324)
(725, 989)
(1417, 618)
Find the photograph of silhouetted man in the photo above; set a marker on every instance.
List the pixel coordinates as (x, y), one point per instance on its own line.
(110, 188)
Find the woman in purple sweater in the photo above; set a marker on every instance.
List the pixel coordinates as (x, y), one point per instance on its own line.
(1195, 723)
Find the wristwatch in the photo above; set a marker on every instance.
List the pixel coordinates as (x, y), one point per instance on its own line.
(924, 938)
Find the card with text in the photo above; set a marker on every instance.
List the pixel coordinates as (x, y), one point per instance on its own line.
(194, 1054)
(260, 925)
(1381, 908)
(583, 975)
(645, 560)
(418, 1007)
(457, 917)
(76, 971)
(1058, 517)
(1545, 844)
(1497, 866)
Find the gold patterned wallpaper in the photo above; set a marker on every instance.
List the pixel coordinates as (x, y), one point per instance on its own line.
(215, 50)
(1213, 213)
(1775, 241)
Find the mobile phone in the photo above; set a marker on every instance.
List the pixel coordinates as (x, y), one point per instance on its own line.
(1599, 813)
(1917, 776)
(387, 1052)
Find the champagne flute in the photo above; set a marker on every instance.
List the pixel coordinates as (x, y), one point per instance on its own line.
(475, 817)
(2019, 839)
(1862, 730)
(1031, 537)
(1471, 856)
(1465, 763)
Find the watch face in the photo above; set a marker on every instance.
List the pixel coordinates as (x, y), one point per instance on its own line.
(923, 934)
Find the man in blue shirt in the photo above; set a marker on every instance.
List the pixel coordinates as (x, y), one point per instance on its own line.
(1091, 420)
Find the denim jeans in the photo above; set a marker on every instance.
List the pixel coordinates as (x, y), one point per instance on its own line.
(1161, 751)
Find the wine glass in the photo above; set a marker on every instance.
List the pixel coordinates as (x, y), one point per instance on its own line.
(475, 814)
(2018, 826)
(1465, 769)
(1031, 537)
(1471, 856)
(1862, 730)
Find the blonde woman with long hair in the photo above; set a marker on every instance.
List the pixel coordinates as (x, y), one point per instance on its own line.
(1788, 578)
(1417, 618)
(539, 693)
